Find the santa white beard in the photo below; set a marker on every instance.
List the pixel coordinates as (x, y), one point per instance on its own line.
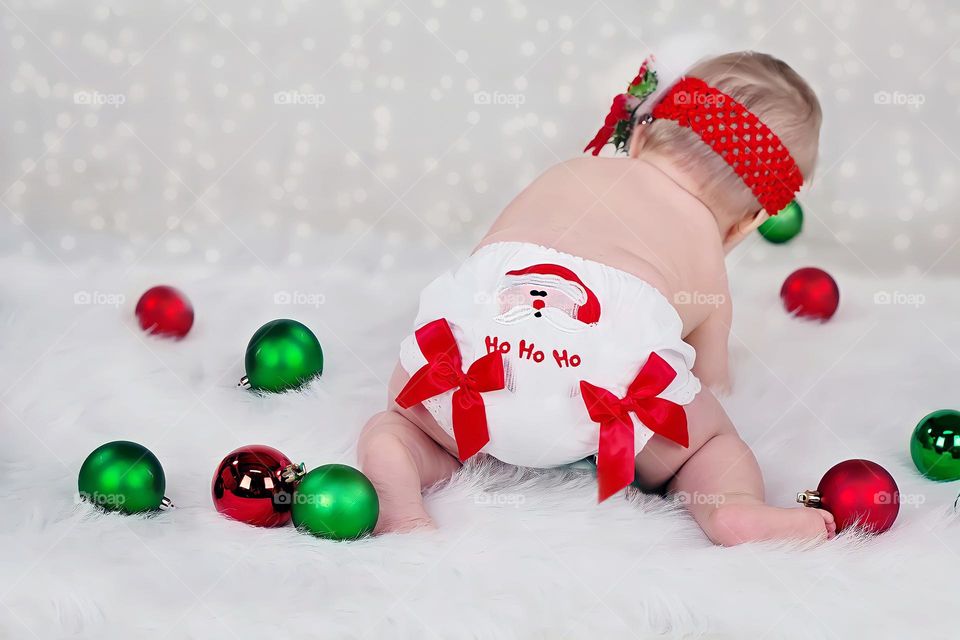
(555, 317)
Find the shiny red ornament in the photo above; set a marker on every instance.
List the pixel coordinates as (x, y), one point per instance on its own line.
(165, 311)
(254, 484)
(857, 493)
(811, 293)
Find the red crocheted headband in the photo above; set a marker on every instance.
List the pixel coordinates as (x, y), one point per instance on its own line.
(751, 149)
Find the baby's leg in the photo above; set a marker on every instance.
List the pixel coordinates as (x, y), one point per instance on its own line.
(401, 460)
(721, 483)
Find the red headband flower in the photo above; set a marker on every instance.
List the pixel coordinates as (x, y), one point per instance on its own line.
(619, 123)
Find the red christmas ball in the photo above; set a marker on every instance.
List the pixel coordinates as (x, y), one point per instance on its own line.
(254, 484)
(811, 293)
(857, 492)
(165, 311)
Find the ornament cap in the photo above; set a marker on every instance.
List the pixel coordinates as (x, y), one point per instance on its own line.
(167, 504)
(244, 382)
(293, 472)
(809, 498)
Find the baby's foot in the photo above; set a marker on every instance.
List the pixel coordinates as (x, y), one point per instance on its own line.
(737, 523)
(404, 522)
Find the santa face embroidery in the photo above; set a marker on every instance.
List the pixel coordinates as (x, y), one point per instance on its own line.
(547, 293)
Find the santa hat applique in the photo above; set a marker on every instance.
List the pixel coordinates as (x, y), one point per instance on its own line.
(556, 277)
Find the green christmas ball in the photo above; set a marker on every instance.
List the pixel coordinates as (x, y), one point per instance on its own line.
(784, 226)
(122, 476)
(935, 445)
(335, 501)
(282, 355)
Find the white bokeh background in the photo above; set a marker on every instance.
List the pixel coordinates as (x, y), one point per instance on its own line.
(389, 148)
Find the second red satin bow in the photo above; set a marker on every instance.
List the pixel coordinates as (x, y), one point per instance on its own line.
(443, 372)
(615, 457)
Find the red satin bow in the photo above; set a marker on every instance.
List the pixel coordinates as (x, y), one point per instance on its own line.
(615, 459)
(443, 372)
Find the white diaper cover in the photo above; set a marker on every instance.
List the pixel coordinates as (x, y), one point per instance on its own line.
(556, 321)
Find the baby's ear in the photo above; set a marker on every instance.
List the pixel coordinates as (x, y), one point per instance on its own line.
(747, 225)
(754, 220)
(637, 138)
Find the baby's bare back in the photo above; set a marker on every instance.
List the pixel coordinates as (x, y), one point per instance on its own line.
(629, 215)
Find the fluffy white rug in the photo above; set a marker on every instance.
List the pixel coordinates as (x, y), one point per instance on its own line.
(518, 554)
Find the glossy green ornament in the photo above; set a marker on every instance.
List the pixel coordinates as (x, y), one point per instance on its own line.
(935, 445)
(335, 501)
(123, 476)
(282, 355)
(784, 226)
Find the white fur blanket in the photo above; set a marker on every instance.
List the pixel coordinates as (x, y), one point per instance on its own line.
(518, 554)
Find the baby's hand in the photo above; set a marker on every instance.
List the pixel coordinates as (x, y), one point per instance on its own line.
(828, 520)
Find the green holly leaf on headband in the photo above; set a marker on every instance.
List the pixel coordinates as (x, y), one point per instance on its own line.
(646, 86)
(621, 135)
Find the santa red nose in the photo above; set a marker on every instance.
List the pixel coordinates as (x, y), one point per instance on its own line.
(539, 304)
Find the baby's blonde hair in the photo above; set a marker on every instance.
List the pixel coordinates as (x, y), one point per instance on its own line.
(770, 89)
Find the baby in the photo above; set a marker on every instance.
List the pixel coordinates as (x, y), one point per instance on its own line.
(597, 303)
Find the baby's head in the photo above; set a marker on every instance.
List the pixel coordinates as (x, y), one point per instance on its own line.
(775, 94)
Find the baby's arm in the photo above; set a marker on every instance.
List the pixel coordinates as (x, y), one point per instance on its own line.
(719, 481)
(710, 342)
